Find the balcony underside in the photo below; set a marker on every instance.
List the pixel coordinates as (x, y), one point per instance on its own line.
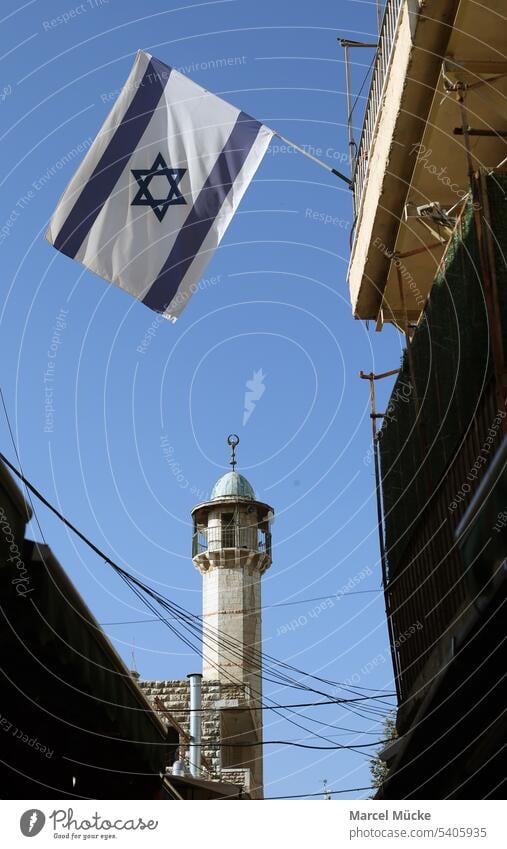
(419, 159)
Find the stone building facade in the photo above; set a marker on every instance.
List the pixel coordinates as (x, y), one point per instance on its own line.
(217, 699)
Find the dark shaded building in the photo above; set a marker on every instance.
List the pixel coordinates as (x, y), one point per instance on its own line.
(74, 722)
(429, 256)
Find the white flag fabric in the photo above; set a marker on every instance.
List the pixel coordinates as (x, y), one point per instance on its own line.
(157, 189)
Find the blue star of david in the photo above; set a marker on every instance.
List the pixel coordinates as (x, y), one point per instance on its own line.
(144, 177)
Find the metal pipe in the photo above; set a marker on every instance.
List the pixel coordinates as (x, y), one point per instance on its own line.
(383, 559)
(195, 679)
(314, 158)
(349, 110)
(346, 44)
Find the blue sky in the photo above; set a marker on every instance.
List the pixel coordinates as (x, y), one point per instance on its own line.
(136, 438)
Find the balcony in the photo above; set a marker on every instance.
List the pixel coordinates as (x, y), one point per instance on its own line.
(411, 153)
(231, 536)
(375, 97)
(442, 431)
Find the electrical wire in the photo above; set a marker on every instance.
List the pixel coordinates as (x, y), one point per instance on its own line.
(298, 705)
(34, 512)
(358, 748)
(254, 657)
(179, 611)
(211, 744)
(276, 707)
(255, 609)
(131, 581)
(233, 679)
(329, 792)
(358, 95)
(184, 617)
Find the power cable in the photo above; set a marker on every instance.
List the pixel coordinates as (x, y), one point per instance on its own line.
(330, 792)
(233, 679)
(182, 614)
(211, 744)
(254, 610)
(298, 705)
(119, 570)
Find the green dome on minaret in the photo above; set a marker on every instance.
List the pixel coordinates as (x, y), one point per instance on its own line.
(232, 485)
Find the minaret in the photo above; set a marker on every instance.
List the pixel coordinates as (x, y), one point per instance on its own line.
(232, 549)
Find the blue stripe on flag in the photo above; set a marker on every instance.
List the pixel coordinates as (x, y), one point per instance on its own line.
(203, 213)
(112, 162)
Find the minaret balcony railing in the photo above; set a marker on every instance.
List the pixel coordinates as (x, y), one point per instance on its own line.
(250, 538)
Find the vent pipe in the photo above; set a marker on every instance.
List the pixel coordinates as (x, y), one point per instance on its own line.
(195, 724)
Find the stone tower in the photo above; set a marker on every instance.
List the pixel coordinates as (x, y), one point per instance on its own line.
(232, 550)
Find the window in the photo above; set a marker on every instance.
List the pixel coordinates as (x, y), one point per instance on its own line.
(228, 530)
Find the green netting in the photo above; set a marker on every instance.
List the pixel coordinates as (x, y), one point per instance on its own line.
(451, 362)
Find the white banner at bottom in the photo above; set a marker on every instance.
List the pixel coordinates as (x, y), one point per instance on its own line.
(356, 824)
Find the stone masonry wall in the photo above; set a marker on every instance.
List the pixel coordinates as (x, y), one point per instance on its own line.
(176, 698)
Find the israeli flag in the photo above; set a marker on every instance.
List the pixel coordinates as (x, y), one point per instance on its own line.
(157, 189)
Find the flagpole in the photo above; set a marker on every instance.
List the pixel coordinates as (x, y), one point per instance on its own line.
(314, 158)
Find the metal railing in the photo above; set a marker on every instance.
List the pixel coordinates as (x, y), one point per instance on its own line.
(251, 538)
(199, 543)
(374, 100)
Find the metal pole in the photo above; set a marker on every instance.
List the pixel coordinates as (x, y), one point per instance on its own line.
(346, 43)
(314, 158)
(421, 430)
(195, 724)
(349, 110)
(383, 562)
